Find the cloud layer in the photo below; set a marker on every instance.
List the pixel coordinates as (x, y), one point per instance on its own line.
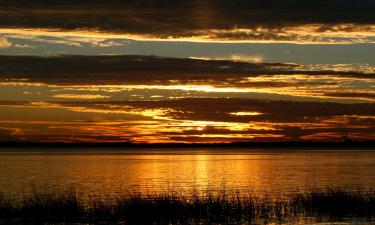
(174, 78)
(156, 99)
(188, 120)
(246, 20)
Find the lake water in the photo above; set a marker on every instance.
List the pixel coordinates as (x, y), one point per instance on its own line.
(113, 171)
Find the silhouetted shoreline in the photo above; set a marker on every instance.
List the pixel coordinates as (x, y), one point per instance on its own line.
(280, 145)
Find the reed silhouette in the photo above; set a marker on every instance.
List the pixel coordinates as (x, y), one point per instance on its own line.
(44, 205)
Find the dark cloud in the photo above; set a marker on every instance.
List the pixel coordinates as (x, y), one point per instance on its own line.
(220, 109)
(122, 69)
(5, 135)
(183, 18)
(115, 70)
(351, 94)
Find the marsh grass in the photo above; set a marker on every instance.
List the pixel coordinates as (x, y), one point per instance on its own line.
(336, 203)
(43, 205)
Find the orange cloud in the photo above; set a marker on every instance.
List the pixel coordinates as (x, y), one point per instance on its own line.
(81, 96)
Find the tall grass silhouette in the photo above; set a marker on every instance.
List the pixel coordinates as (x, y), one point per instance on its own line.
(42, 206)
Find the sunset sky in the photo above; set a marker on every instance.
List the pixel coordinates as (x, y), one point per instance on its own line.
(187, 71)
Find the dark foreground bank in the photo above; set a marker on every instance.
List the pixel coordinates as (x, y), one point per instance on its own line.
(44, 206)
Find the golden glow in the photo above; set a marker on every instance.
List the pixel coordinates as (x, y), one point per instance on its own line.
(235, 58)
(304, 34)
(21, 83)
(4, 43)
(232, 137)
(202, 88)
(245, 113)
(357, 67)
(81, 96)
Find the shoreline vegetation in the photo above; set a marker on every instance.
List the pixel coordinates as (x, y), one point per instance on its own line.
(282, 145)
(48, 206)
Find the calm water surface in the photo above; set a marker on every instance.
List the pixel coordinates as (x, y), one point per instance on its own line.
(110, 171)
